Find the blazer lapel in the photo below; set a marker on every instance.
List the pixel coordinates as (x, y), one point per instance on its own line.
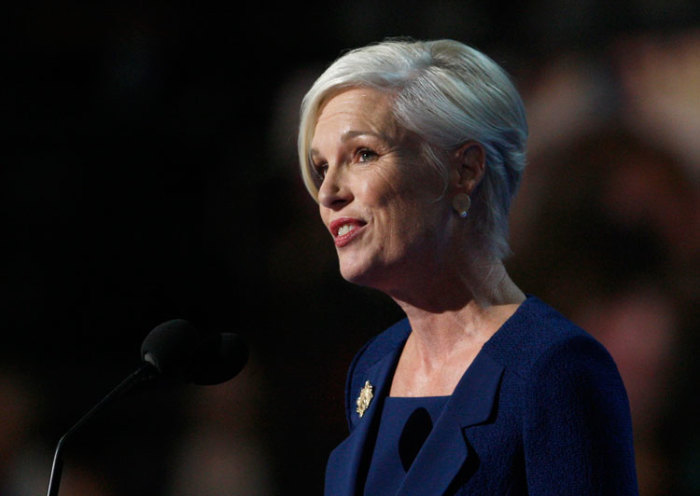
(445, 451)
(346, 459)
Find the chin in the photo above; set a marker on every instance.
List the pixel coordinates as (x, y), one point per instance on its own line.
(356, 273)
(353, 277)
(365, 275)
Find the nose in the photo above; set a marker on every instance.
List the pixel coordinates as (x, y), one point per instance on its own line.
(334, 192)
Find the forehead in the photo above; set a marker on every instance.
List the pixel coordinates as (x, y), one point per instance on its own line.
(356, 111)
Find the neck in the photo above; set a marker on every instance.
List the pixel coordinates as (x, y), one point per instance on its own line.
(458, 313)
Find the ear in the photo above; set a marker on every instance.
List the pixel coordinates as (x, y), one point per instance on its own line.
(469, 166)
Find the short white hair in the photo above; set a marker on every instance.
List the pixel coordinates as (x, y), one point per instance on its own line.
(447, 93)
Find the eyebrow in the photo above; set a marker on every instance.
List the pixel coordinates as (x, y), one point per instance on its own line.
(348, 135)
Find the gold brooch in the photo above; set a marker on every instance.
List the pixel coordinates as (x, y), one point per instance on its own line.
(364, 399)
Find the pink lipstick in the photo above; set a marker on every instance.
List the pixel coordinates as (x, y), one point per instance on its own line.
(345, 230)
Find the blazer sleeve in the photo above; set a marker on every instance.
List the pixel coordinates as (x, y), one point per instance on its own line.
(577, 431)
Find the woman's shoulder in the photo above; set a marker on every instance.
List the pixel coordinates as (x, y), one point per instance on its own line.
(538, 336)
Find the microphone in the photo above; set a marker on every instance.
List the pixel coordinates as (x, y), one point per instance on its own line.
(173, 349)
(176, 349)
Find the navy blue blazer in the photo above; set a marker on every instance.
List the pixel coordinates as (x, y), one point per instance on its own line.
(540, 411)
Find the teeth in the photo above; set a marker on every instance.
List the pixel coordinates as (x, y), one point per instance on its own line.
(344, 229)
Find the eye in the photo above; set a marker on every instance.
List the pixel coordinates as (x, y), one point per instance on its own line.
(319, 171)
(365, 155)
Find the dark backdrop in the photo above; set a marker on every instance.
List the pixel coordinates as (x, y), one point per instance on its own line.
(148, 172)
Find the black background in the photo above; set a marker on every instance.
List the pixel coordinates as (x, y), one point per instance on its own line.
(149, 172)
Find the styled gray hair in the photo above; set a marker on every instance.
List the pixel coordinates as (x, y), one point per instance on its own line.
(447, 93)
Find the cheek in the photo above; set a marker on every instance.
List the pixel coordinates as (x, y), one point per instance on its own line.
(420, 220)
(409, 223)
(376, 190)
(385, 190)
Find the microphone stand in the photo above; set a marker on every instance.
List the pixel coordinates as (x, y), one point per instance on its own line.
(145, 372)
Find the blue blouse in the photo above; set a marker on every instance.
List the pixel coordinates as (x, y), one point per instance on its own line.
(404, 426)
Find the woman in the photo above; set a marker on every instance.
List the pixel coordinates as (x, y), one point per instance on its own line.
(414, 151)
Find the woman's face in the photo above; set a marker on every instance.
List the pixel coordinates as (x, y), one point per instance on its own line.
(384, 206)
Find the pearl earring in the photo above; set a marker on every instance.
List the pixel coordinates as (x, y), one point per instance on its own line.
(461, 203)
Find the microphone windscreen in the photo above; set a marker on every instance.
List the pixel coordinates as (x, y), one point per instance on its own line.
(177, 349)
(169, 347)
(223, 356)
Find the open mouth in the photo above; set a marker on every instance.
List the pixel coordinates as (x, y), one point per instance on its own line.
(344, 230)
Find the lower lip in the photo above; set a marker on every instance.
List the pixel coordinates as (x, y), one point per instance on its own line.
(343, 240)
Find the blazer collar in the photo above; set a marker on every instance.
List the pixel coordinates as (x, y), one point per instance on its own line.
(444, 452)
